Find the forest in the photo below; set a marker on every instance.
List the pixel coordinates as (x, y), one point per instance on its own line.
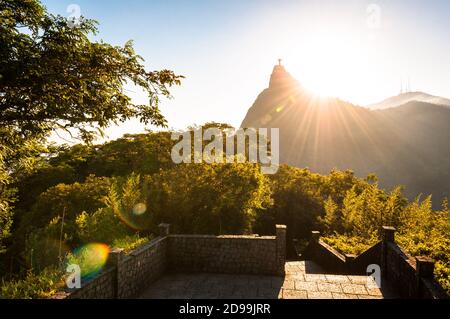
(58, 201)
(118, 192)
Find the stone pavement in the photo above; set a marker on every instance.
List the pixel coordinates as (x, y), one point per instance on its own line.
(303, 280)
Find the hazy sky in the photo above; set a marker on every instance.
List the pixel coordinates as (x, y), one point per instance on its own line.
(227, 49)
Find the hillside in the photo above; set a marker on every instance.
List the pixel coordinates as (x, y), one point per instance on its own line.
(407, 145)
(407, 97)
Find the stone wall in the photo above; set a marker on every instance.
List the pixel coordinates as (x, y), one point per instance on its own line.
(358, 264)
(228, 254)
(222, 254)
(103, 286)
(141, 267)
(411, 277)
(126, 275)
(330, 260)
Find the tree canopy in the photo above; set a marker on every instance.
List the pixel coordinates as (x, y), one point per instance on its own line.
(53, 76)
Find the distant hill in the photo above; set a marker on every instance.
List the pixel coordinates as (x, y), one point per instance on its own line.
(407, 145)
(409, 97)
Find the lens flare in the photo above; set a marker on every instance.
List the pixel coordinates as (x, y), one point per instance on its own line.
(136, 217)
(91, 258)
(139, 209)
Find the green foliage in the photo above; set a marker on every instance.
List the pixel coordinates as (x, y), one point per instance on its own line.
(296, 202)
(52, 77)
(40, 228)
(118, 218)
(5, 200)
(56, 77)
(208, 199)
(69, 199)
(21, 159)
(5, 222)
(99, 210)
(131, 242)
(101, 226)
(364, 213)
(140, 153)
(34, 285)
(421, 231)
(30, 186)
(46, 246)
(425, 232)
(136, 193)
(350, 244)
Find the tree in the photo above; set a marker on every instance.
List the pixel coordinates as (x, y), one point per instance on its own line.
(5, 209)
(56, 77)
(5, 221)
(140, 153)
(69, 198)
(208, 198)
(124, 213)
(52, 76)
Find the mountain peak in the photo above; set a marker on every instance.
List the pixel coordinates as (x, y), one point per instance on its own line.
(280, 77)
(406, 145)
(407, 97)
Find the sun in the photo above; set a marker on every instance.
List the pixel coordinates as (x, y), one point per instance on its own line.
(331, 65)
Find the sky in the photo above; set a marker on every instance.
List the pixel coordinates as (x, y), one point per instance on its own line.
(360, 51)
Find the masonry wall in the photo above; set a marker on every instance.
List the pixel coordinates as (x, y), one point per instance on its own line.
(410, 277)
(223, 254)
(141, 267)
(358, 265)
(126, 276)
(330, 260)
(101, 287)
(401, 270)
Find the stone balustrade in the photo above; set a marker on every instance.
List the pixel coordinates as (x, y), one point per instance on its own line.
(126, 275)
(410, 277)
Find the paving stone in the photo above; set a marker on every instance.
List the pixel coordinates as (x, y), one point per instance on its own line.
(295, 276)
(306, 285)
(289, 284)
(344, 296)
(323, 286)
(374, 291)
(315, 277)
(369, 297)
(354, 289)
(358, 279)
(319, 295)
(294, 294)
(298, 283)
(338, 279)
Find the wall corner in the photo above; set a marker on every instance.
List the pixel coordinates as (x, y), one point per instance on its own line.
(281, 249)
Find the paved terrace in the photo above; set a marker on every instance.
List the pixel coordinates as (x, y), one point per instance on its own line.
(303, 280)
(194, 266)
